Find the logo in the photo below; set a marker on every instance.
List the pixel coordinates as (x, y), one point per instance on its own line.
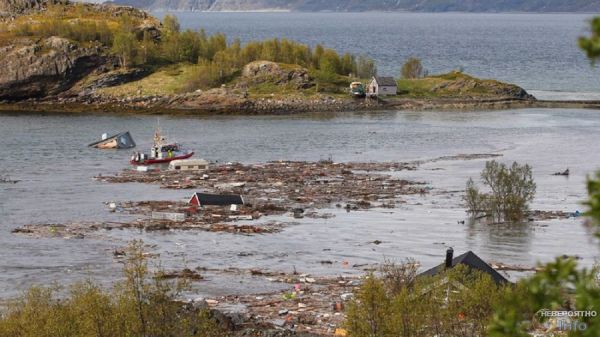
(564, 320)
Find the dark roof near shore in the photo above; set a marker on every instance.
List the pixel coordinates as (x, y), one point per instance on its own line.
(386, 81)
(219, 199)
(471, 260)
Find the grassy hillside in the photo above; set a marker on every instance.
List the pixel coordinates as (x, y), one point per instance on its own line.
(456, 84)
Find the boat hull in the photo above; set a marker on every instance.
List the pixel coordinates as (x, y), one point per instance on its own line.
(161, 160)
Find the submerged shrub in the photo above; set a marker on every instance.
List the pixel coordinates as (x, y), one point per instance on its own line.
(510, 191)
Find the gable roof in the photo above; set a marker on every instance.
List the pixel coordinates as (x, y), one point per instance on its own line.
(471, 260)
(206, 199)
(386, 81)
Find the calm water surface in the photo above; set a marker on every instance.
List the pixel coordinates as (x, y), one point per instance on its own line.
(536, 51)
(49, 155)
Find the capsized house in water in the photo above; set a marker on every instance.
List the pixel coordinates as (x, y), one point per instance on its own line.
(121, 140)
(205, 199)
(471, 261)
(188, 165)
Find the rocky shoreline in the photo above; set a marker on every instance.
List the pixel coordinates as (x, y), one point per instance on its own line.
(219, 101)
(55, 74)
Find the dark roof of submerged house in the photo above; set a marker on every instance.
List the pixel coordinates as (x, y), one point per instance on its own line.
(473, 261)
(386, 81)
(206, 199)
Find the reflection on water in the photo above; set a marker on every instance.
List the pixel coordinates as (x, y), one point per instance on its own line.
(49, 155)
(514, 237)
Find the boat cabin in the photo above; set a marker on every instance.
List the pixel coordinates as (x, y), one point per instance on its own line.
(188, 165)
(205, 199)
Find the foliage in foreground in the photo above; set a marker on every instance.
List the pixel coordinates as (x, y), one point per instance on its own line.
(591, 44)
(458, 303)
(510, 191)
(593, 203)
(142, 305)
(560, 286)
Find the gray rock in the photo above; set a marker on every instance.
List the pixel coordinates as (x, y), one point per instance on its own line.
(117, 77)
(38, 69)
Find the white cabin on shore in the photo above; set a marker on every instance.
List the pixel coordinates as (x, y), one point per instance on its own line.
(382, 86)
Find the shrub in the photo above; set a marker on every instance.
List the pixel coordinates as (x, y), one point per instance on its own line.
(593, 188)
(397, 276)
(459, 302)
(77, 30)
(412, 68)
(209, 74)
(141, 305)
(560, 285)
(511, 190)
(591, 45)
(370, 313)
(365, 67)
(125, 46)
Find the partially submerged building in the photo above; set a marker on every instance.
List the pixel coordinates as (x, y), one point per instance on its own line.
(205, 199)
(188, 165)
(471, 261)
(122, 140)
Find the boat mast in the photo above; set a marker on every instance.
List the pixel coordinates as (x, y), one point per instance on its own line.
(158, 139)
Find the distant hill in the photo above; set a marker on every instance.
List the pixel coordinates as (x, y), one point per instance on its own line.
(371, 5)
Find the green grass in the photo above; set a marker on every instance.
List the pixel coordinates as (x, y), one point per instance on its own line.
(321, 83)
(453, 84)
(167, 80)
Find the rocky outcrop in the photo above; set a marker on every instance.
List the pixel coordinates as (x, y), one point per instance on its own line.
(266, 71)
(117, 77)
(16, 7)
(467, 85)
(35, 69)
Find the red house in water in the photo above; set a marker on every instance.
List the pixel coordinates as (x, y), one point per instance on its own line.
(205, 199)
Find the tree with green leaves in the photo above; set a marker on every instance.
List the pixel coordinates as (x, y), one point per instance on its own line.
(510, 191)
(412, 68)
(125, 47)
(171, 24)
(591, 44)
(365, 67)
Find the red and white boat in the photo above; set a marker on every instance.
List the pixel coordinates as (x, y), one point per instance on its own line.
(161, 152)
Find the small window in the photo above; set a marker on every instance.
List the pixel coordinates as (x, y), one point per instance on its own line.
(178, 167)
